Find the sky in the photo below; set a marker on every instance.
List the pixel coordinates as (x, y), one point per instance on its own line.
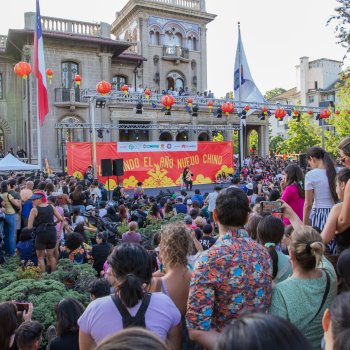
(275, 34)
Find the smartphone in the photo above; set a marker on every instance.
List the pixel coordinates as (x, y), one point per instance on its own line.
(22, 306)
(268, 207)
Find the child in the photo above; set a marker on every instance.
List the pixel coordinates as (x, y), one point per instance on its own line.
(270, 234)
(25, 247)
(207, 240)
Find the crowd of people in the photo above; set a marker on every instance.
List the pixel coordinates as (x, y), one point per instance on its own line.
(260, 264)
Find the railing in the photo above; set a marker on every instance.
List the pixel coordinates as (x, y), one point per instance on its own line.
(155, 99)
(3, 40)
(70, 95)
(175, 52)
(191, 4)
(54, 24)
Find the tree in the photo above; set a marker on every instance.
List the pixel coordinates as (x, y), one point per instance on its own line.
(277, 144)
(273, 93)
(342, 19)
(254, 141)
(302, 135)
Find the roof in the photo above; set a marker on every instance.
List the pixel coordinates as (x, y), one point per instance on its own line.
(325, 59)
(15, 35)
(11, 163)
(285, 95)
(131, 56)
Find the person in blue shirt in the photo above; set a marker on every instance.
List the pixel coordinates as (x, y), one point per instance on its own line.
(25, 247)
(179, 206)
(198, 197)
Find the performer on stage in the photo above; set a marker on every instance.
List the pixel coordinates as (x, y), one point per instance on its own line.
(187, 178)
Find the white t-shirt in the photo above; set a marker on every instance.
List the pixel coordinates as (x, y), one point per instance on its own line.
(317, 180)
(212, 201)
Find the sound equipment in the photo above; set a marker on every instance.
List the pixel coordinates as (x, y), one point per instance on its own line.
(106, 167)
(302, 161)
(118, 167)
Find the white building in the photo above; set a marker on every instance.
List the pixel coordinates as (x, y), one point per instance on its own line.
(315, 87)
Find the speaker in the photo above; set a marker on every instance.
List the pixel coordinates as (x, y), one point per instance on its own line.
(302, 161)
(118, 167)
(106, 167)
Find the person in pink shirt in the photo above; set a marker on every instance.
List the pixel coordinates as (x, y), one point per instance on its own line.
(293, 190)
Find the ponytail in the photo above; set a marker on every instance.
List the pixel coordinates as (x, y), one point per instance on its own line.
(274, 257)
(331, 174)
(130, 290)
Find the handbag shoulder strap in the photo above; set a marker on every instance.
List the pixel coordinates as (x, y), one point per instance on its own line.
(325, 294)
(132, 321)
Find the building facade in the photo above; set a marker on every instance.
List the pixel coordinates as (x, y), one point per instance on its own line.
(155, 44)
(316, 83)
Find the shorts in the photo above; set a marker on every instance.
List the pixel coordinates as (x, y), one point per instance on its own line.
(46, 239)
(211, 218)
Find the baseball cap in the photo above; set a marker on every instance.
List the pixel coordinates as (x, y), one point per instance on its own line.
(188, 219)
(89, 207)
(250, 186)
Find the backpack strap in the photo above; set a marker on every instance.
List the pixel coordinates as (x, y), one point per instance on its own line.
(325, 294)
(132, 321)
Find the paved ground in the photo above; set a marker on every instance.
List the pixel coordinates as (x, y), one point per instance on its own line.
(203, 188)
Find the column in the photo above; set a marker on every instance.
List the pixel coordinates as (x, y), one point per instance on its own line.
(203, 69)
(106, 60)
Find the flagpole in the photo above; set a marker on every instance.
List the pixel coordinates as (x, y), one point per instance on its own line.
(241, 125)
(40, 162)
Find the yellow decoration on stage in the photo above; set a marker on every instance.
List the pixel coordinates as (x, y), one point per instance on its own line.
(130, 182)
(158, 178)
(78, 175)
(224, 169)
(112, 184)
(201, 180)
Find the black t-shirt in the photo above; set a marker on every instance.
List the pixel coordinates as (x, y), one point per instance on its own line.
(66, 342)
(79, 201)
(100, 253)
(207, 242)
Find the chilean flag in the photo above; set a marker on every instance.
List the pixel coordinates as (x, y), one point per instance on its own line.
(39, 67)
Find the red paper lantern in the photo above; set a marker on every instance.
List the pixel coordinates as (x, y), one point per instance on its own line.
(77, 79)
(349, 111)
(325, 113)
(167, 101)
(103, 87)
(22, 69)
(148, 93)
(310, 112)
(264, 110)
(280, 113)
(210, 105)
(296, 112)
(247, 108)
(190, 101)
(227, 108)
(125, 89)
(337, 112)
(49, 74)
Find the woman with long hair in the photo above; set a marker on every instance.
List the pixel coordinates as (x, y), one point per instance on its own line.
(343, 221)
(320, 193)
(131, 305)
(187, 178)
(329, 232)
(68, 311)
(293, 190)
(78, 198)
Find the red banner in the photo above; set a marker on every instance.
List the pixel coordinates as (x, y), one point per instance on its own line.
(154, 169)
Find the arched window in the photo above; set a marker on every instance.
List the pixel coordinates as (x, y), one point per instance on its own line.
(118, 81)
(172, 39)
(194, 45)
(69, 71)
(151, 37)
(157, 38)
(189, 43)
(70, 134)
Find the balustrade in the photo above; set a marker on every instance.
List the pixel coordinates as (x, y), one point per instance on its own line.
(191, 4)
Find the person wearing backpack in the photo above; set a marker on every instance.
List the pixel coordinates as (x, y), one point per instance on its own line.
(131, 305)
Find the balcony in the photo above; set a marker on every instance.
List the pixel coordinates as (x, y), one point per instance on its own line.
(175, 53)
(70, 98)
(189, 4)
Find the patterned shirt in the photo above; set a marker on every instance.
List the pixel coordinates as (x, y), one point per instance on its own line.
(233, 276)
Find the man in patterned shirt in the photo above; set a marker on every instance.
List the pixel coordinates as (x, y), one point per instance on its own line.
(231, 277)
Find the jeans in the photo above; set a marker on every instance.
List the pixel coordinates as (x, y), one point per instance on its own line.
(10, 233)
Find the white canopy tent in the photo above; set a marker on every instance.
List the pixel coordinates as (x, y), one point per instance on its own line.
(11, 163)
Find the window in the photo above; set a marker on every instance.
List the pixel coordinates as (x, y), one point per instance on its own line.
(118, 81)
(1, 88)
(311, 99)
(316, 85)
(194, 46)
(2, 140)
(69, 71)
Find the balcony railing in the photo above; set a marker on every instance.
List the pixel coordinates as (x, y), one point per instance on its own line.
(70, 96)
(190, 4)
(175, 52)
(54, 24)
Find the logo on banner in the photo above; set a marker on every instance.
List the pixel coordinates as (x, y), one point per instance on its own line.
(157, 146)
